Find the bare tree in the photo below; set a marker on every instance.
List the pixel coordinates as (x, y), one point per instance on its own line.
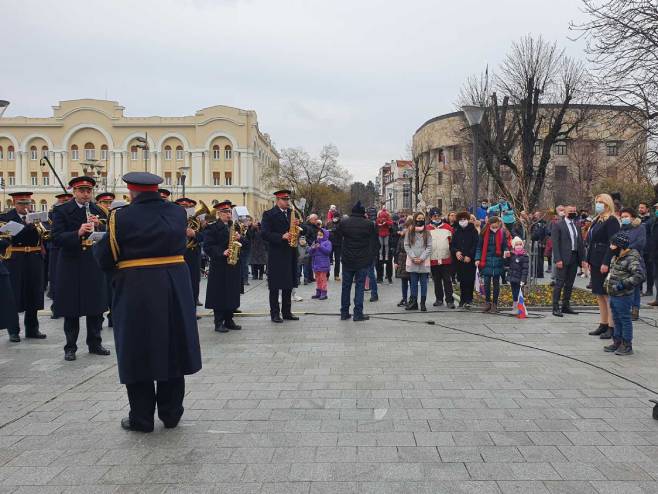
(622, 44)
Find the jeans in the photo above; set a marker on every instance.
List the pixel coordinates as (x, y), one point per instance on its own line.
(359, 278)
(422, 278)
(372, 278)
(621, 314)
(496, 288)
(636, 296)
(405, 288)
(648, 262)
(516, 288)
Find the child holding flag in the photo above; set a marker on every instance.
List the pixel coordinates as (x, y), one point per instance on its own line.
(518, 271)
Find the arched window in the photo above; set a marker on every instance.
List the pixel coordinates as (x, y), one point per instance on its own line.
(33, 153)
(215, 152)
(2, 154)
(90, 151)
(133, 153)
(104, 152)
(179, 153)
(74, 152)
(10, 153)
(228, 153)
(44, 151)
(167, 152)
(44, 205)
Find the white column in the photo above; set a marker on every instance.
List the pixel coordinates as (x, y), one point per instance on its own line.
(21, 168)
(207, 178)
(197, 168)
(65, 167)
(153, 165)
(246, 164)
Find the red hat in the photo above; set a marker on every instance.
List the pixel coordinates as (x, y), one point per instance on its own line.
(80, 182)
(185, 200)
(64, 195)
(105, 196)
(21, 197)
(224, 205)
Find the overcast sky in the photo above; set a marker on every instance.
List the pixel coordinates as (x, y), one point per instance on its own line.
(362, 74)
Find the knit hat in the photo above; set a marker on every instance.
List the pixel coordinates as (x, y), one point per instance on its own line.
(517, 240)
(358, 208)
(435, 212)
(621, 240)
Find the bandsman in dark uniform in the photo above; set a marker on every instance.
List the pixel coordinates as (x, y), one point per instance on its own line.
(26, 268)
(53, 255)
(104, 202)
(223, 289)
(281, 257)
(81, 290)
(193, 252)
(8, 312)
(164, 194)
(155, 331)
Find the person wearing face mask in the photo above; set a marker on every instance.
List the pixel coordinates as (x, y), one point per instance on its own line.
(653, 245)
(463, 247)
(481, 211)
(418, 246)
(440, 259)
(644, 213)
(538, 237)
(568, 254)
(518, 271)
(637, 239)
(336, 243)
(604, 226)
(493, 248)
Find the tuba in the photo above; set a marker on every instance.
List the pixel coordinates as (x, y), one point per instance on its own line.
(194, 223)
(294, 229)
(233, 246)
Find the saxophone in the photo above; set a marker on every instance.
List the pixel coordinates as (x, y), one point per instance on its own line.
(294, 229)
(233, 246)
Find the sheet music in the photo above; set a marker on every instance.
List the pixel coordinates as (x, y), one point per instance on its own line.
(96, 236)
(41, 216)
(13, 228)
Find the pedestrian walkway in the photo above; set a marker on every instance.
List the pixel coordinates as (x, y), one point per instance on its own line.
(329, 406)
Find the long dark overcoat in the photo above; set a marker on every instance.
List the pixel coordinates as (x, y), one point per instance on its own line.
(281, 258)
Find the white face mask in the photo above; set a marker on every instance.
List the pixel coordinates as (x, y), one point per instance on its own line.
(463, 223)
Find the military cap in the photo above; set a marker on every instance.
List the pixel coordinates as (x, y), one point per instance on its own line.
(64, 195)
(187, 200)
(283, 194)
(105, 196)
(21, 197)
(164, 193)
(142, 181)
(80, 182)
(224, 205)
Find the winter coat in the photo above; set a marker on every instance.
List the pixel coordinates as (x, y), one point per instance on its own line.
(494, 263)
(401, 260)
(335, 236)
(637, 235)
(360, 242)
(465, 240)
(518, 268)
(625, 273)
(598, 237)
(258, 248)
(384, 223)
(653, 239)
(320, 253)
(441, 236)
(421, 248)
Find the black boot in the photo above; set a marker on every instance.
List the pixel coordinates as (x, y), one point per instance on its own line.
(556, 310)
(422, 304)
(608, 334)
(402, 303)
(599, 331)
(566, 309)
(413, 304)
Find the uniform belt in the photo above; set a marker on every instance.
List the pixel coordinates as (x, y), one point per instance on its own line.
(150, 261)
(23, 250)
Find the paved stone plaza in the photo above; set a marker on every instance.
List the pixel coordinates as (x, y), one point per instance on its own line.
(324, 406)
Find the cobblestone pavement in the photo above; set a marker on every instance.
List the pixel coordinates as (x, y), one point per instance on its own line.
(322, 405)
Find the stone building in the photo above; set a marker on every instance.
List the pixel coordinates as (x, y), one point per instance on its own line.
(217, 153)
(394, 183)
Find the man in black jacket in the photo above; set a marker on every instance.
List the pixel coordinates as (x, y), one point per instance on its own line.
(647, 221)
(360, 246)
(568, 254)
(336, 244)
(652, 243)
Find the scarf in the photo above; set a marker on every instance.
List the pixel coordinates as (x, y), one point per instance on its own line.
(485, 245)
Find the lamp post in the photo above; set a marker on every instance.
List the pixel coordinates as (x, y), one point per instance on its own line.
(474, 116)
(183, 176)
(142, 142)
(3, 106)
(92, 168)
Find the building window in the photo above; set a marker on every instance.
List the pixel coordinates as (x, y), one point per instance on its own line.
(439, 178)
(133, 153)
(167, 178)
(104, 152)
(228, 153)
(74, 174)
(34, 180)
(167, 152)
(179, 179)
(406, 196)
(560, 173)
(228, 178)
(179, 153)
(536, 149)
(44, 205)
(457, 177)
(439, 204)
(1, 153)
(46, 179)
(561, 148)
(216, 153)
(457, 153)
(74, 152)
(90, 151)
(33, 153)
(11, 178)
(216, 178)
(10, 153)
(44, 151)
(442, 156)
(612, 149)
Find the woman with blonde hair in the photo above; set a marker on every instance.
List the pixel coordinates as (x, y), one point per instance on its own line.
(418, 246)
(604, 227)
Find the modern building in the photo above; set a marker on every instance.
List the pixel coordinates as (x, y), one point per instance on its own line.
(217, 153)
(604, 148)
(395, 181)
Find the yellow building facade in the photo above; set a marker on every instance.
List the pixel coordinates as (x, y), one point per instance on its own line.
(217, 153)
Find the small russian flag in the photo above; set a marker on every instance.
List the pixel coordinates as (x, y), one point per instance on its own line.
(523, 312)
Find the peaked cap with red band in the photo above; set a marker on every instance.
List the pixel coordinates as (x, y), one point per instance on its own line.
(185, 200)
(142, 181)
(282, 194)
(21, 197)
(80, 182)
(105, 196)
(225, 204)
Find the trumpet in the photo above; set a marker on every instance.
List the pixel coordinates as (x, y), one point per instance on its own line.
(86, 242)
(43, 232)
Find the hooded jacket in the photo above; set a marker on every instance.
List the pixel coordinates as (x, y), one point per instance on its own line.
(320, 252)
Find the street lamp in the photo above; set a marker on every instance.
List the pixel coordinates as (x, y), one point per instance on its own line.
(474, 116)
(183, 176)
(3, 106)
(92, 168)
(142, 143)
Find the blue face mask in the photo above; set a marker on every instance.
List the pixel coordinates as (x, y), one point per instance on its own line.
(625, 221)
(599, 207)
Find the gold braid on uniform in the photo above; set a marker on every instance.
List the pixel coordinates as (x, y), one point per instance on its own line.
(114, 245)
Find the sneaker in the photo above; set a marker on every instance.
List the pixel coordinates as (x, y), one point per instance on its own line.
(297, 298)
(653, 303)
(450, 305)
(625, 349)
(467, 305)
(438, 303)
(612, 348)
(402, 303)
(374, 298)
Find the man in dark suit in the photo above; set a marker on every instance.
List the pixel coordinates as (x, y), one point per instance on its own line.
(193, 252)
(568, 254)
(82, 290)
(53, 256)
(155, 329)
(282, 258)
(26, 266)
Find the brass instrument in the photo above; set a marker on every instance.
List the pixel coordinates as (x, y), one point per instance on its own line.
(43, 232)
(233, 246)
(294, 229)
(86, 242)
(5, 236)
(105, 211)
(194, 223)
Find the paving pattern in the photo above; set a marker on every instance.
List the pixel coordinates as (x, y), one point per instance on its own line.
(324, 406)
